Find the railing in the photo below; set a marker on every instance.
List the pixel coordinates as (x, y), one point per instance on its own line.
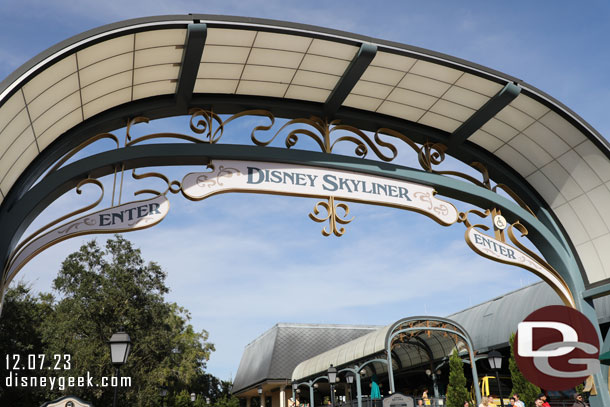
(434, 402)
(367, 402)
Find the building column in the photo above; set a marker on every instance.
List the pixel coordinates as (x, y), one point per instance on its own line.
(263, 399)
(282, 396)
(248, 402)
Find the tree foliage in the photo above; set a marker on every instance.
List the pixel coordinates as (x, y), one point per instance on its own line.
(527, 391)
(227, 401)
(20, 335)
(457, 393)
(101, 290)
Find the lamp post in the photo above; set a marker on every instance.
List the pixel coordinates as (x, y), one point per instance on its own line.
(349, 378)
(332, 377)
(434, 376)
(295, 386)
(495, 362)
(260, 396)
(120, 345)
(163, 394)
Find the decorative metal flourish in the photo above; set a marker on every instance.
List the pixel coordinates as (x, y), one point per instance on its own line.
(406, 337)
(463, 218)
(332, 216)
(203, 122)
(208, 127)
(322, 137)
(172, 186)
(523, 230)
(81, 146)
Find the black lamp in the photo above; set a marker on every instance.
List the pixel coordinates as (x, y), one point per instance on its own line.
(332, 378)
(495, 362)
(120, 345)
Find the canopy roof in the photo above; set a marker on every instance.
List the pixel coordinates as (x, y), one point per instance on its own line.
(408, 349)
(232, 62)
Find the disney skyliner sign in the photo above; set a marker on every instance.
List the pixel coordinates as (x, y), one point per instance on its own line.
(332, 184)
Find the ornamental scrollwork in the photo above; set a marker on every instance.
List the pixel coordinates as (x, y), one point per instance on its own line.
(332, 216)
(321, 135)
(209, 127)
(206, 123)
(171, 186)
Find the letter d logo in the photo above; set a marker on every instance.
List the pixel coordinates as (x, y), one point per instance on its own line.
(556, 348)
(526, 338)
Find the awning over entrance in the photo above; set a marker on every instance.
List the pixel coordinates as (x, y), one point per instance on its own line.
(412, 342)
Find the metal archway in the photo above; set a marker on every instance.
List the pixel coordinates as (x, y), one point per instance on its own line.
(163, 66)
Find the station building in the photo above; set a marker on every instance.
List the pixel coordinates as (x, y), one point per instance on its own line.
(301, 353)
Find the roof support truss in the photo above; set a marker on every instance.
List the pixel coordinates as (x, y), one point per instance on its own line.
(350, 78)
(191, 58)
(484, 114)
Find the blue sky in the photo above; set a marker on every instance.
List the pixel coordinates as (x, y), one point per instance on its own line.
(241, 263)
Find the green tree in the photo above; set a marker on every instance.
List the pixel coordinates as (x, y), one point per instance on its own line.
(527, 391)
(457, 393)
(104, 290)
(183, 399)
(227, 401)
(20, 336)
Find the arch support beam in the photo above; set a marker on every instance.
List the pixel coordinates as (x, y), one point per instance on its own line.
(484, 114)
(191, 58)
(347, 82)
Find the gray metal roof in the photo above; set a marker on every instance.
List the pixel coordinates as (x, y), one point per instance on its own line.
(276, 353)
(491, 323)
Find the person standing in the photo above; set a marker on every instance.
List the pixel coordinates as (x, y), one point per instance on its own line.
(545, 403)
(579, 401)
(518, 402)
(484, 402)
(424, 397)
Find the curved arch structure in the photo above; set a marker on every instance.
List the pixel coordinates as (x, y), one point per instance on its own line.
(163, 66)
